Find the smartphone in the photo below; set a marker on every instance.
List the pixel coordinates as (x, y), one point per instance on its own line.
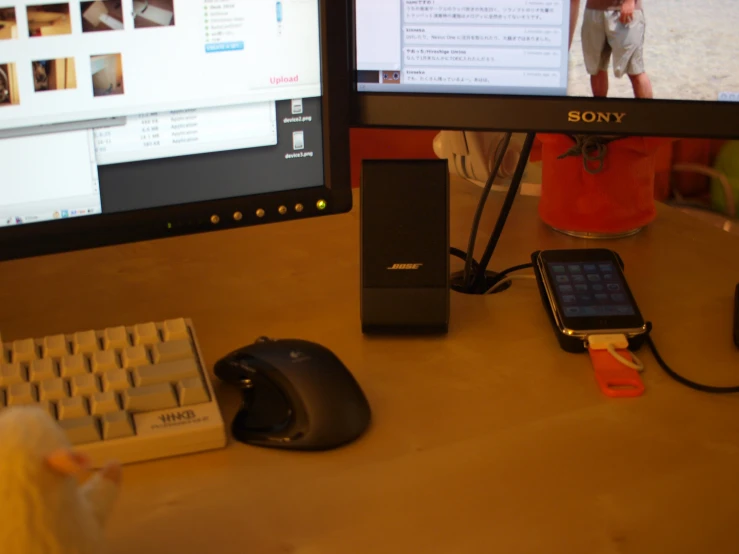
(587, 293)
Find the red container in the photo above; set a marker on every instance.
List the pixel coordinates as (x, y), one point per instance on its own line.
(615, 198)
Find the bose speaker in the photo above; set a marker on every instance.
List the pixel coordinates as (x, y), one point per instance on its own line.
(404, 246)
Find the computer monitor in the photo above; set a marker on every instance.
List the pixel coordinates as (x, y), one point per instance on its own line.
(132, 120)
(509, 65)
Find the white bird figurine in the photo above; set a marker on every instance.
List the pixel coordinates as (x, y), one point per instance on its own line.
(46, 504)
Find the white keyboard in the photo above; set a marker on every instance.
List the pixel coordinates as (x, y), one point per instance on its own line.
(129, 393)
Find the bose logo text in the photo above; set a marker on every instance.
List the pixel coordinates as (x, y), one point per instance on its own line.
(595, 117)
(406, 267)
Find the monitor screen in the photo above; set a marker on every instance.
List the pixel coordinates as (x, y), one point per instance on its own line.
(108, 107)
(665, 50)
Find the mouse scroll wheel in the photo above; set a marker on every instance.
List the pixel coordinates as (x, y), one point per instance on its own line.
(244, 380)
(264, 339)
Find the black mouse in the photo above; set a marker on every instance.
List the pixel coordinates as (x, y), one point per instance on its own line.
(297, 395)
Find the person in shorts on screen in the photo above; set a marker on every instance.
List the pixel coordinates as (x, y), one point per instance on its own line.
(574, 14)
(615, 29)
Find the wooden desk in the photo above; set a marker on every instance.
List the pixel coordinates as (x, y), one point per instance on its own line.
(488, 440)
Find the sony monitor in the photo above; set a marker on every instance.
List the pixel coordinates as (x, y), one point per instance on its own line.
(132, 120)
(642, 67)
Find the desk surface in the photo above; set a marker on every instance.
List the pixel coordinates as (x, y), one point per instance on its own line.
(488, 440)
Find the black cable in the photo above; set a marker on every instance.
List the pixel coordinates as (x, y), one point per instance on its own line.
(462, 255)
(505, 210)
(679, 378)
(481, 207)
(503, 274)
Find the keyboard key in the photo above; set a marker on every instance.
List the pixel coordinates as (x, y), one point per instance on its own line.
(134, 356)
(103, 403)
(87, 382)
(84, 385)
(115, 337)
(173, 350)
(42, 370)
(71, 408)
(145, 333)
(48, 407)
(149, 398)
(175, 329)
(115, 380)
(54, 389)
(54, 347)
(167, 372)
(73, 364)
(24, 350)
(21, 394)
(191, 391)
(84, 342)
(81, 430)
(104, 360)
(116, 425)
(11, 374)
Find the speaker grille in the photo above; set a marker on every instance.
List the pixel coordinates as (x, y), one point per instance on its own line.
(404, 210)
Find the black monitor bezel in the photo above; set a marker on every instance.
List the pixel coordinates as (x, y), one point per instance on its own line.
(540, 114)
(546, 114)
(109, 229)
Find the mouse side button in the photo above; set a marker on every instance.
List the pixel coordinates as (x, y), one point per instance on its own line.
(233, 370)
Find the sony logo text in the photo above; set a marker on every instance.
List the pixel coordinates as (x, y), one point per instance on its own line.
(595, 117)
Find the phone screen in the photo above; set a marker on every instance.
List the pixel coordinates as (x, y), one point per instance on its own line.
(589, 290)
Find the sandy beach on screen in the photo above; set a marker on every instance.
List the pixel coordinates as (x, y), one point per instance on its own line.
(690, 51)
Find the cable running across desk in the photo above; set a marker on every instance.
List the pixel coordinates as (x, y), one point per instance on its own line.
(679, 378)
(502, 282)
